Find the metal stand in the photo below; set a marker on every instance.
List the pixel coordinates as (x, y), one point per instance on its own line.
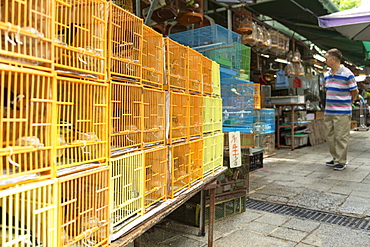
(362, 118)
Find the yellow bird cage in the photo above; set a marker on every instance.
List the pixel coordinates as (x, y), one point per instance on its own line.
(216, 81)
(153, 60)
(179, 117)
(127, 189)
(217, 120)
(83, 208)
(156, 163)
(208, 154)
(257, 96)
(208, 114)
(125, 36)
(207, 76)
(219, 150)
(176, 65)
(154, 117)
(29, 215)
(196, 160)
(80, 38)
(26, 30)
(195, 71)
(26, 118)
(125, 4)
(196, 116)
(180, 168)
(82, 115)
(126, 117)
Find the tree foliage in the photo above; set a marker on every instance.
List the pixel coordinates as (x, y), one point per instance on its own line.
(346, 4)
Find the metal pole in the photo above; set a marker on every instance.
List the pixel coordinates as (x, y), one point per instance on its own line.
(211, 216)
(202, 220)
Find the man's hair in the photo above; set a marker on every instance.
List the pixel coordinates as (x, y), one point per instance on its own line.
(335, 53)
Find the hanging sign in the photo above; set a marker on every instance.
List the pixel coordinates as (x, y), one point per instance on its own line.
(234, 149)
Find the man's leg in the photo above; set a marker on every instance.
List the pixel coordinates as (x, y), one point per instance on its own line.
(341, 132)
(330, 136)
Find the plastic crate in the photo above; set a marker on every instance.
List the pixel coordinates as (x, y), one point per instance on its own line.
(29, 215)
(26, 31)
(213, 152)
(125, 38)
(179, 117)
(207, 76)
(176, 65)
(217, 120)
(196, 72)
(300, 139)
(127, 117)
(127, 189)
(256, 160)
(196, 116)
(80, 38)
(155, 176)
(153, 54)
(257, 96)
(154, 117)
(26, 118)
(208, 114)
(196, 160)
(83, 209)
(82, 130)
(216, 80)
(180, 168)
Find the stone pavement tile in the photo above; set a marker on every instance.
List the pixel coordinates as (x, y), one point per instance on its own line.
(235, 222)
(342, 190)
(366, 180)
(317, 200)
(275, 189)
(278, 199)
(243, 238)
(273, 219)
(317, 174)
(258, 196)
(355, 205)
(260, 227)
(365, 194)
(288, 234)
(347, 175)
(301, 225)
(324, 185)
(338, 236)
(180, 241)
(303, 245)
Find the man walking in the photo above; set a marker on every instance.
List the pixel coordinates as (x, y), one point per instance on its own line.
(341, 92)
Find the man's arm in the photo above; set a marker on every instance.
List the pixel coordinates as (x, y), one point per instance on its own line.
(354, 95)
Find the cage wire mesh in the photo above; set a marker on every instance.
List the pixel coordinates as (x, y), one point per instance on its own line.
(125, 45)
(209, 154)
(80, 38)
(196, 116)
(216, 80)
(179, 117)
(82, 108)
(208, 113)
(217, 120)
(83, 208)
(154, 117)
(152, 57)
(29, 215)
(196, 160)
(27, 36)
(176, 65)
(126, 116)
(195, 71)
(155, 188)
(207, 76)
(26, 116)
(180, 168)
(127, 189)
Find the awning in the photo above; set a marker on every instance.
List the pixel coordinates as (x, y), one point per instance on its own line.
(301, 16)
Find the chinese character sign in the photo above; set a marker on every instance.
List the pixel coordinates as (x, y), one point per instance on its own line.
(234, 149)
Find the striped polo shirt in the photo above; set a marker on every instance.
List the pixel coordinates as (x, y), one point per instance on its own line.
(338, 92)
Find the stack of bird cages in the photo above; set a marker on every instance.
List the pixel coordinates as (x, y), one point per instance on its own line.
(208, 114)
(196, 116)
(207, 76)
(213, 152)
(83, 208)
(126, 117)
(216, 80)
(257, 96)
(196, 73)
(196, 160)
(82, 130)
(127, 189)
(180, 168)
(26, 118)
(26, 31)
(179, 130)
(237, 102)
(125, 35)
(177, 66)
(155, 185)
(152, 58)
(80, 38)
(29, 215)
(154, 117)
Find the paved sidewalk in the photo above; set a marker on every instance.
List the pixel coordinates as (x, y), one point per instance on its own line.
(297, 178)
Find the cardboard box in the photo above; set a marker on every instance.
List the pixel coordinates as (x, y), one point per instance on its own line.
(319, 115)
